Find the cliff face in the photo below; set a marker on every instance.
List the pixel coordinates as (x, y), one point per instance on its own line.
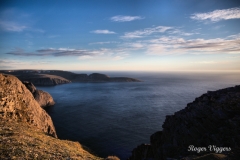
(25, 127)
(44, 99)
(211, 123)
(18, 104)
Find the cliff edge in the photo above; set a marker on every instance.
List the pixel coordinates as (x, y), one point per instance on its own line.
(43, 98)
(27, 131)
(18, 104)
(207, 128)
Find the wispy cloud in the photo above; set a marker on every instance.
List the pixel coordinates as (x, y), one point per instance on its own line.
(100, 54)
(176, 45)
(51, 52)
(120, 18)
(182, 33)
(101, 43)
(103, 32)
(217, 15)
(12, 20)
(12, 26)
(9, 64)
(146, 32)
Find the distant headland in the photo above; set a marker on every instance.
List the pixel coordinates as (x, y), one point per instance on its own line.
(55, 77)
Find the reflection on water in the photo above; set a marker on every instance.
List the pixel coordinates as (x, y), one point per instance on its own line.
(113, 118)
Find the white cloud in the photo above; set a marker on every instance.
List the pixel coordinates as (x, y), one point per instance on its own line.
(176, 45)
(121, 18)
(179, 32)
(103, 32)
(12, 26)
(217, 15)
(101, 43)
(85, 57)
(146, 32)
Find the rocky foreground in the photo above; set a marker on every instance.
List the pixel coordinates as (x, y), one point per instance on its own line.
(27, 131)
(55, 77)
(208, 128)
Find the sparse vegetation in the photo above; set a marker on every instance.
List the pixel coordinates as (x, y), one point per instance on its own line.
(21, 141)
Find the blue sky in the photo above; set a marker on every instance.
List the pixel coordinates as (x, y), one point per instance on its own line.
(126, 35)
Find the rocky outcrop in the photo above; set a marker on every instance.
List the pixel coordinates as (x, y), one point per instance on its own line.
(30, 86)
(208, 125)
(18, 104)
(43, 98)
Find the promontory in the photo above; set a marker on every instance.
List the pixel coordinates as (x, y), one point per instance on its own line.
(27, 131)
(55, 77)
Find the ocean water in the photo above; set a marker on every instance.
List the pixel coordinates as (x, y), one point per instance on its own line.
(114, 118)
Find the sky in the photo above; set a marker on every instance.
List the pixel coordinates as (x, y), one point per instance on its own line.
(120, 35)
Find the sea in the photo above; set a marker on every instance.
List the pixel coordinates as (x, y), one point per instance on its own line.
(114, 118)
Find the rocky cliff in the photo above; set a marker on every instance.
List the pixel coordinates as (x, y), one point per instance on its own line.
(207, 128)
(18, 104)
(25, 127)
(44, 99)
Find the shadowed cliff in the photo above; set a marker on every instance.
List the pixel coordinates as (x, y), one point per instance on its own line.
(208, 128)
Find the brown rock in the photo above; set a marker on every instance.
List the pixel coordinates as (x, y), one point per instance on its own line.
(30, 86)
(43, 98)
(18, 104)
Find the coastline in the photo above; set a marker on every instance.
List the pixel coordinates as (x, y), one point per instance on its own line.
(201, 101)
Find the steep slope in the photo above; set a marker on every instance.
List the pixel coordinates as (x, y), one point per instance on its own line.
(17, 103)
(209, 125)
(27, 131)
(44, 99)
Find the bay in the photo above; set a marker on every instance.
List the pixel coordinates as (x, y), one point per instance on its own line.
(113, 118)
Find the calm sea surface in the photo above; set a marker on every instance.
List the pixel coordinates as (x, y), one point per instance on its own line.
(113, 118)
